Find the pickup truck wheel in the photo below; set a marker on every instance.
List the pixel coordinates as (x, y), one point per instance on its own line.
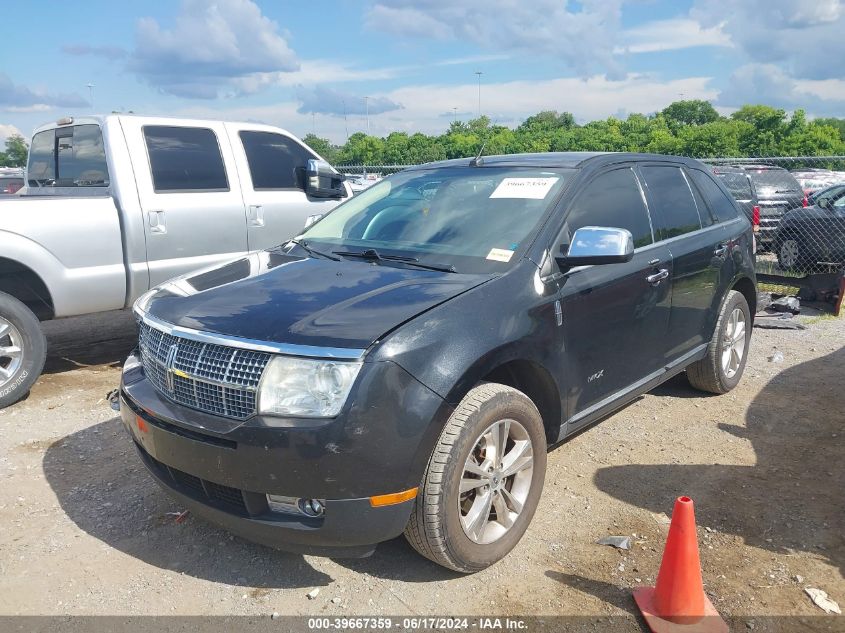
(721, 369)
(791, 255)
(22, 350)
(483, 480)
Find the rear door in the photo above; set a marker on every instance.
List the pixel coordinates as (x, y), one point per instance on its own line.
(614, 319)
(684, 224)
(189, 193)
(272, 166)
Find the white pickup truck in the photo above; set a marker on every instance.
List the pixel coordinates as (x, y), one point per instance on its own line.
(117, 204)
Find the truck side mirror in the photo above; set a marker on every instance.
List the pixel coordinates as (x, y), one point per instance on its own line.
(322, 181)
(597, 245)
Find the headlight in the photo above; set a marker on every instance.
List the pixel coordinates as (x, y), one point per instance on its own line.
(305, 388)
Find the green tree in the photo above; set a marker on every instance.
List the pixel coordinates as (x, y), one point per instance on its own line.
(322, 146)
(16, 152)
(689, 112)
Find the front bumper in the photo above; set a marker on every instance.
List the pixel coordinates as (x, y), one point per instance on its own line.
(223, 469)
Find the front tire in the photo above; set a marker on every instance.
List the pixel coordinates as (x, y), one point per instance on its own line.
(721, 369)
(483, 481)
(23, 350)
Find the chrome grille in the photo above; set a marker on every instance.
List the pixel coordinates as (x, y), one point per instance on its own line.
(213, 378)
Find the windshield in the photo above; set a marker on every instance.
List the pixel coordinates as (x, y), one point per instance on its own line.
(775, 180)
(477, 219)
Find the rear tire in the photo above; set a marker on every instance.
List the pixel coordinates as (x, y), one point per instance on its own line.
(721, 369)
(443, 525)
(23, 350)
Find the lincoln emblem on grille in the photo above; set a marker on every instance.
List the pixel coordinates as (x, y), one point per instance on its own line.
(168, 363)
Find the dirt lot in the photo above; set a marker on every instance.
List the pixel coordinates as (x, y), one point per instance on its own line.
(84, 530)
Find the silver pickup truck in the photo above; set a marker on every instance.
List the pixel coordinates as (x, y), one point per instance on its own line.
(115, 205)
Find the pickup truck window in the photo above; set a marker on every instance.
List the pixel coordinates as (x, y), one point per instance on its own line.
(68, 157)
(612, 199)
(275, 161)
(185, 159)
(676, 213)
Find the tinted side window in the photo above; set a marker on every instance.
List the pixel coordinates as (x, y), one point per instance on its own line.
(674, 209)
(722, 207)
(185, 159)
(612, 199)
(69, 157)
(275, 161)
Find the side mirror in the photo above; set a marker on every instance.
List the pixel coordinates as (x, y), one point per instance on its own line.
(597, 245)
(322, 181)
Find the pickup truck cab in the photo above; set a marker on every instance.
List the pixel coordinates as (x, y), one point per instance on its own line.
(404, 364)
(120, 203)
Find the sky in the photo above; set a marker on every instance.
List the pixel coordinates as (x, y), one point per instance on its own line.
(412, 64)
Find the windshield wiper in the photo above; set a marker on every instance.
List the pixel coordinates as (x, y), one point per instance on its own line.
(313, 251)
(373, 255)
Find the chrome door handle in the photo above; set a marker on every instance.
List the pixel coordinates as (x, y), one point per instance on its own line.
(721, 249)
(657, 277)
(256, 215)
(157, 224)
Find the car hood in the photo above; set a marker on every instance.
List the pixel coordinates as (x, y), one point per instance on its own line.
(270, 296)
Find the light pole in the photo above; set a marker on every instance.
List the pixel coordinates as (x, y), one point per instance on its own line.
(90, 87)
(367, 108)
(479, 73)
(455, 115)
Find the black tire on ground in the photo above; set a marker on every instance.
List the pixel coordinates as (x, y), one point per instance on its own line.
(435, 529)
(708, 373)
(33, 348)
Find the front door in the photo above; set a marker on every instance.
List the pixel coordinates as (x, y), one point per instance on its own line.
(273, 168)
(615, 316)
(190, 196)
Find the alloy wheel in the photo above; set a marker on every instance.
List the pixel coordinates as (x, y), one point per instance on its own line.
(11, 351)
(495, 481)
(733, 343)
(789, 254)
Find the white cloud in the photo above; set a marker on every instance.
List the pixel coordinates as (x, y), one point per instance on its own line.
(6, 131)
(209, 46)
(672, 34)
(507, 103)
(575, 34)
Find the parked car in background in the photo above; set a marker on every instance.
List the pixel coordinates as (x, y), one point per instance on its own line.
(777, 193)
(118, 204)
(11, 180)
(812, 180)
(812, 197)
(404, 364)
(813, 235)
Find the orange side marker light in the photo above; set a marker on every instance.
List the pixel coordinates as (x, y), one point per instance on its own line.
(393, 498)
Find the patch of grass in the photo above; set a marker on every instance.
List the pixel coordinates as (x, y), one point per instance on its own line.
(778, 289)
(827, 316)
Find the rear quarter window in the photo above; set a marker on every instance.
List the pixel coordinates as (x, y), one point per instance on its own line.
(720, 204)
(737, 183)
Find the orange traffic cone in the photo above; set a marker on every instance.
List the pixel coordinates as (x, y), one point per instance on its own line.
(677, 602)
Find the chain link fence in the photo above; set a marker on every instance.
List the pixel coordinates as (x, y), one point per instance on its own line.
(797, 204)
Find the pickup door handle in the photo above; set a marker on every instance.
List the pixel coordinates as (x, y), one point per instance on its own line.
(657, 277)
(256, 215)
(721, 249)
(157, 224)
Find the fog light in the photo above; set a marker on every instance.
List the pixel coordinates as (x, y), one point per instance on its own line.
(295, 505)
(312, 507)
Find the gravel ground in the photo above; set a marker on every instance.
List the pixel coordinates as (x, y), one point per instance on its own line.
(84, 530)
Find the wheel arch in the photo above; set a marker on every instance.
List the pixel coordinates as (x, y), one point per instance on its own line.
(746, 287)
(27, 286)
(508, 367)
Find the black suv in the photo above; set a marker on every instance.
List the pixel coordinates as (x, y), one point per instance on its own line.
(404, 364)
(778, 192)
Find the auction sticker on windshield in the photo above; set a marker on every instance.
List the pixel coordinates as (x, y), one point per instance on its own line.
(500, 255)
(527, 188)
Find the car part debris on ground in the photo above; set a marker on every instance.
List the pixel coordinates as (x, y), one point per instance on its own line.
(619, 542)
